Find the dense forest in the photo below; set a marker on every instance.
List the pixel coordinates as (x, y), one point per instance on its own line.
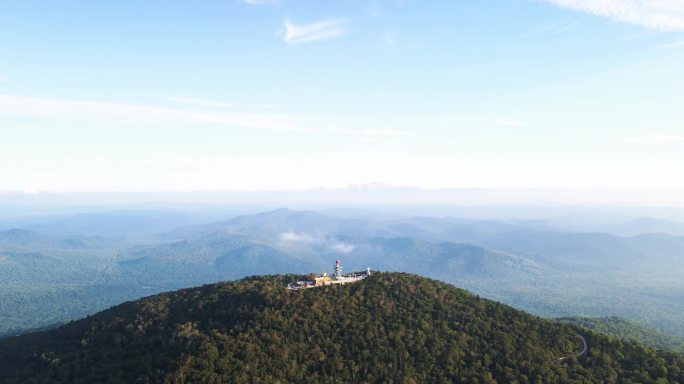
(628, 330)
(388, 328)
(60, 271)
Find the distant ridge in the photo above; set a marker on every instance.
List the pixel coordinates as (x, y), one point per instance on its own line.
(628, 330)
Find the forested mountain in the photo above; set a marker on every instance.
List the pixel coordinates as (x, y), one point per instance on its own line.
(529, 237)
(229, 254)
(600, 249)
(47, 278)
(272, 222)
(524, 263)
(28, 239)
(387, 328)
(220, 256)
(628, 330)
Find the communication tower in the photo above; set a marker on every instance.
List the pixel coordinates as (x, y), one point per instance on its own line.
(338, 269)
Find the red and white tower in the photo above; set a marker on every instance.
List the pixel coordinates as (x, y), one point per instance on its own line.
(338, 269)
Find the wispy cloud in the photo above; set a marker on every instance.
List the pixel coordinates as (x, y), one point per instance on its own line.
(676, 44)
(331, 244)
(663, 15)
(388, 40)
(658, 138)
(200, 102)
(260, 2)
(342, 247)
(3, 79)
(107, 111)
(368, 133)
(320, 30)
(197, 102)
(297, 237)
(512, 123)
(55, 108)
(556, 27)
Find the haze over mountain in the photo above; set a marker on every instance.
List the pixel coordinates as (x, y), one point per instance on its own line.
(48, 278)
(643, 225)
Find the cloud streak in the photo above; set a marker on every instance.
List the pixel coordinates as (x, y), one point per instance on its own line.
(96, 110)
(57, 108)
(260, 2)
(367, 133)
(662, 15)
(200, 102)
(196, 102)
(676, 44)
(658, 138)
(320, 30)
(512, 123)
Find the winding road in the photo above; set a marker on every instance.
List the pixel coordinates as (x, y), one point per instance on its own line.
(584, 350)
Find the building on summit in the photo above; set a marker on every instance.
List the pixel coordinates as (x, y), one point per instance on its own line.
(314, 280)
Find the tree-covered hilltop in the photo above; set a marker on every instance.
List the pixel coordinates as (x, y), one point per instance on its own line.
(389, 328)
(628, 330)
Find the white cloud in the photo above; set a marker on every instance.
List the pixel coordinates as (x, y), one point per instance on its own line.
(676, 44)
(388, 40)
(295, 237)
(260, 2)
(200, 102)
(367, 133)
(57, 108)
(556, 27)
(663, 15)
(658, 138)
(319, 30)
(512, 123)
(213, 103)
(317, 240)
(341, 247)
(107, 111)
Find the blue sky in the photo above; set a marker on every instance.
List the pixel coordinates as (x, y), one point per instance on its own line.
(187, 95)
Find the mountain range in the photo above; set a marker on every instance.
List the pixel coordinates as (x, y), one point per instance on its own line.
(48, 277)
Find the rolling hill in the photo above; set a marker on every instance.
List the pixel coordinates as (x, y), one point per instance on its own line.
(387, 328)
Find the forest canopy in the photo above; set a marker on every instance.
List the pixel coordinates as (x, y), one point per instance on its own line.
(388, 328)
